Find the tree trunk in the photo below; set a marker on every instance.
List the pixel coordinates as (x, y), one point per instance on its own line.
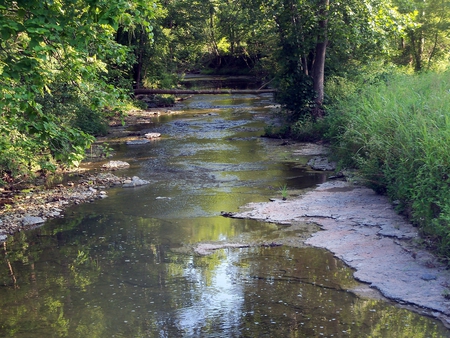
(212, 92)
(318, 71)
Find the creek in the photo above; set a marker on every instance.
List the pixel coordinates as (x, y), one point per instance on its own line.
(124, 266)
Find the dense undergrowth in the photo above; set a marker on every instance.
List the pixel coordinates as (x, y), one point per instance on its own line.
(396, 132)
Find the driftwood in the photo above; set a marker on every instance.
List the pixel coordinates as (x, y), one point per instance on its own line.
(209, 91)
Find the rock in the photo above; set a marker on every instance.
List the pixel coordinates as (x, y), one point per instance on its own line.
(227, 214)
(321, 163)
(115, 165)
(3, 238)
(152, 135)
(53, 214)
(32, 220)
(428, 276)
(135, 182)
(137, 142)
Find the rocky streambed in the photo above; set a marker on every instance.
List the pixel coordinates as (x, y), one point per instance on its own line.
(33, 206)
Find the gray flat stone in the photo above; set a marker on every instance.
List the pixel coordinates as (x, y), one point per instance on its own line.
(32, 220)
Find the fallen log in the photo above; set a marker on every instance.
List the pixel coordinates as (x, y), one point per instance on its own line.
(144, 91)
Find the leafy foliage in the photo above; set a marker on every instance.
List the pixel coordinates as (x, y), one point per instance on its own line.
(54, 61)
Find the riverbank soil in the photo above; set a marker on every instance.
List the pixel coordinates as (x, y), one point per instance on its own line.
(362, 229)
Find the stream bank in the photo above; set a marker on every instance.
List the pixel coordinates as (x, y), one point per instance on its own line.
(36, 202)
(362, 229)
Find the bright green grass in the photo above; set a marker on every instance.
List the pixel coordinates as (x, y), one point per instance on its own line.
(397, 133)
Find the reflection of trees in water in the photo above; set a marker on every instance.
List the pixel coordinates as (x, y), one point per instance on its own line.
(110, 278)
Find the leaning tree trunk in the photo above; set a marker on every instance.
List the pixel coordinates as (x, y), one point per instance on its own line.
(318, 71)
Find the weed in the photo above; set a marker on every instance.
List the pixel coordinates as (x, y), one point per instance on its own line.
(284, 192)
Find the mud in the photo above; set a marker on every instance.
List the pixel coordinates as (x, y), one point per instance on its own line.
(362, 228)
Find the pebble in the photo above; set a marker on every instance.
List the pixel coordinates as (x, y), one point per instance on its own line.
(428, 276)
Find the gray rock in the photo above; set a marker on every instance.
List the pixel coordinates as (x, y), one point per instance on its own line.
(32, 220)
(428, 276)
(321, 163)
(115, 165)
(3, 238)
(152, 135)
(135, 182)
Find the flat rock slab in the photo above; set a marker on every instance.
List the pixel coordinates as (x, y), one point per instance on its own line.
(362, 228)
(32, 220)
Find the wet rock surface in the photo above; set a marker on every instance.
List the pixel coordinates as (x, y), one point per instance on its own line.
(362, 228)
(33, 207)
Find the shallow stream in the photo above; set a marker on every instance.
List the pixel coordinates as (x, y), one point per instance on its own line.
(124, 266)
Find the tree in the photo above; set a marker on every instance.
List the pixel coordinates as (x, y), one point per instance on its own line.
(427, 31)
(319, 37)
(318, 67)
(48, 49)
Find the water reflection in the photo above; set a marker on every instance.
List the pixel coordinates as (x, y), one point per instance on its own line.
(123, 266)
(128, 284)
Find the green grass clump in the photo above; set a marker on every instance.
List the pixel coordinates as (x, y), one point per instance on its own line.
(397, 133)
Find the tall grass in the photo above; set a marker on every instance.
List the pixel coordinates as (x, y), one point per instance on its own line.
(397, 133)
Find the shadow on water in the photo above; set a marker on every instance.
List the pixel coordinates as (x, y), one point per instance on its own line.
(124, 266)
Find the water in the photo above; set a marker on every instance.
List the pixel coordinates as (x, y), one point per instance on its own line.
(124, 266)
